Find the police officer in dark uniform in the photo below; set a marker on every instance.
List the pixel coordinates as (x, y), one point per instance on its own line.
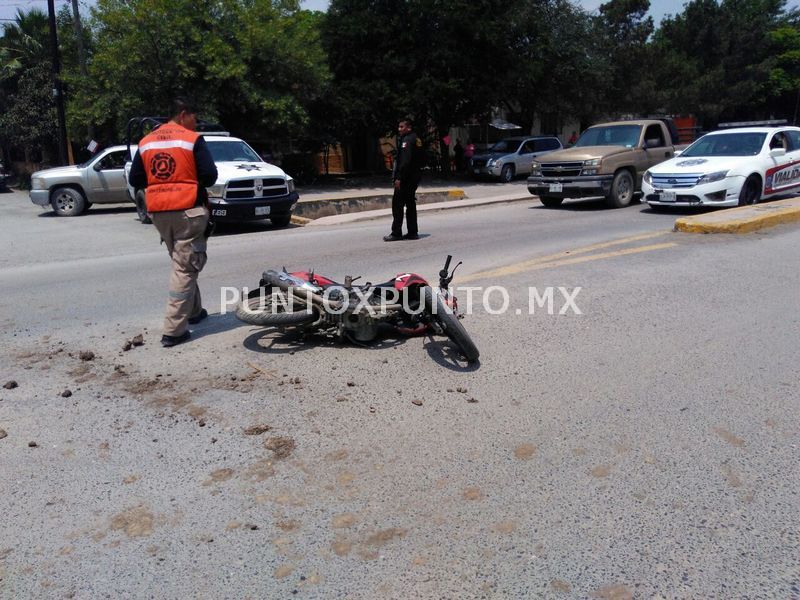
(405, 176)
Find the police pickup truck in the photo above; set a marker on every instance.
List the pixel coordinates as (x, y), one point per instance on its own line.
(247, 187)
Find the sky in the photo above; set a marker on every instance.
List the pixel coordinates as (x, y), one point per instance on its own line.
(658, 8)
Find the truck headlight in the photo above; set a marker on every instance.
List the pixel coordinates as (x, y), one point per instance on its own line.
(591, 166)
(712, 177)
(216, 191)
(647, 178)
(37, 183)
(536, 168)
(490, 162)
(290, 184)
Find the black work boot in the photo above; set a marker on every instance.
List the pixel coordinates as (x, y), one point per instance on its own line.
(173, 340)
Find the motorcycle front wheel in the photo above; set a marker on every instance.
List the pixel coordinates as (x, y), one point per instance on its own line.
(268, 306)
(450, 324)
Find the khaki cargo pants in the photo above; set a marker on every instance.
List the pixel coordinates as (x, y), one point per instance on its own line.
(183, 232)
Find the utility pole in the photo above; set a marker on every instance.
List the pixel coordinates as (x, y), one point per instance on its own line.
(58, 93)
(76, 20)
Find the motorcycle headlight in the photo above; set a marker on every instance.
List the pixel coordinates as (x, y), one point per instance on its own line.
(216, 190)
(290, 184)
(37, 183)
(647, 178)
(712, 177)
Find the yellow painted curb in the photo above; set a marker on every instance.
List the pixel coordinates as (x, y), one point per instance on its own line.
(300, 220)
(743, 219)
(456, 193)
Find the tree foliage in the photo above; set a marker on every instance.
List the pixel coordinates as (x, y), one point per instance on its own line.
(716, 58)
(266, 68)
(27, 112)
(255, 65)
(432, 59)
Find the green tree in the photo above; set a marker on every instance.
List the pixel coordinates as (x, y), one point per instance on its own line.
(623, 32)
(441, 62)
(718, 59)
(552, 68)
(254, 64)
(27, 113)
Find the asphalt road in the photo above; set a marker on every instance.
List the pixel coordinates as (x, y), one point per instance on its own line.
(644, 448)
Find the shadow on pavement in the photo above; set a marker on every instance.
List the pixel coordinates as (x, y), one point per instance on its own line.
(445, 354)
(579, 205)
(288, 341)
(215, 323)
(678, 211)
(225, 229)
(96, 211)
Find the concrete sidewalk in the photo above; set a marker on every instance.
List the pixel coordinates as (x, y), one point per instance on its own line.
(370, 199)
(743, 219)
(387, 212)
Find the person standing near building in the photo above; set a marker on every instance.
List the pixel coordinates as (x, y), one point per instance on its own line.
(175, 166)
(469, 152)
(458, 154)
(405, 177)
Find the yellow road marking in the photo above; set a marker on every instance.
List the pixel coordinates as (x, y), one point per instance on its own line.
(568, 257)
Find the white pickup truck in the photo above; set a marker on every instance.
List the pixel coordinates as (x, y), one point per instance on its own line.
(247, 187)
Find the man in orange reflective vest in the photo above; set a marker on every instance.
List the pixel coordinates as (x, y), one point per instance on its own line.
(174, 165)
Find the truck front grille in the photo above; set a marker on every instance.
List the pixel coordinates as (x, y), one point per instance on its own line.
(240, 189)
(561, 169)
(673, 181)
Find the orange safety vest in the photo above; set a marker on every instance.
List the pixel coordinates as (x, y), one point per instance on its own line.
(168, 158)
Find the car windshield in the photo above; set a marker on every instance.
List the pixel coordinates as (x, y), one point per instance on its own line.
(613, 135)
(727, 144)
(506, 146)
(233, 150)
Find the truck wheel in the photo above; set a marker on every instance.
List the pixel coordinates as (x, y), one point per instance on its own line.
(507, 174)
(67, 202)
(282, 220)
(550, 201)
(622, 189)
(141, 208)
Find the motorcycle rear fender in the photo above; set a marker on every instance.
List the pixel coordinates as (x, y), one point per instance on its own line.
(404, 280)
(313, 278)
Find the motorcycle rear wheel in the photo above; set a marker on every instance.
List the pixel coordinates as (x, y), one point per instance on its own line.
(450, 324)
(261, 308)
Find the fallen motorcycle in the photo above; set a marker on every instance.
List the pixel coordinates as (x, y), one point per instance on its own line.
(406, 302)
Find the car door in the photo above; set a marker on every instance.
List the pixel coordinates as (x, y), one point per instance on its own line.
(657, 149)
(783, 171)
(107, 178)
(524, 157)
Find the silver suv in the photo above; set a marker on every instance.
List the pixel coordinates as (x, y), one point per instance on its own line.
(511, 157)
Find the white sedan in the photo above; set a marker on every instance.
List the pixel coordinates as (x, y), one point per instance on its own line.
(732, 167)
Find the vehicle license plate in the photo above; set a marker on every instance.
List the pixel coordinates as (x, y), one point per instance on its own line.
(556, 187)
(477, 171)
(262, 210)
(667, 196)
(218, 212)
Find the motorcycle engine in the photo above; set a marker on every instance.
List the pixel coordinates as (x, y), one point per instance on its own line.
(361, 327)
